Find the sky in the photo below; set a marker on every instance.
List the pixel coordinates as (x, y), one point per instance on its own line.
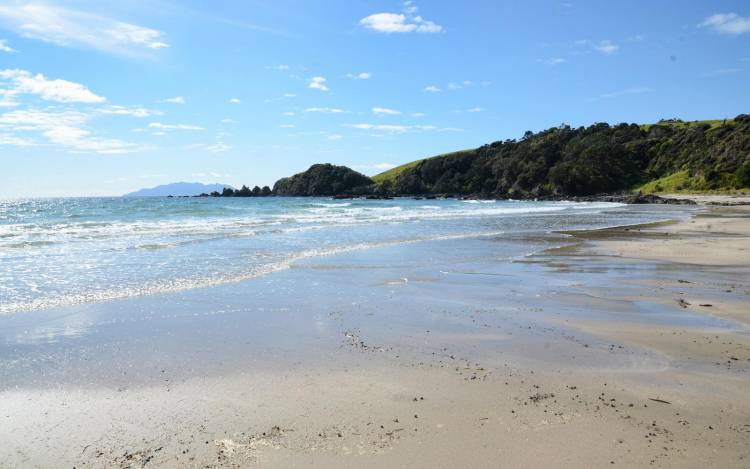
(102, 98)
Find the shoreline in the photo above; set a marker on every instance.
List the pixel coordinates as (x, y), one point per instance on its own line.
(579, 356)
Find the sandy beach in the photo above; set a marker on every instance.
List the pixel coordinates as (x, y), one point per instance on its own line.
(624, 347)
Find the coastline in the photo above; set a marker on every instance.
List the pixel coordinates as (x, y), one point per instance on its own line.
(598, 363)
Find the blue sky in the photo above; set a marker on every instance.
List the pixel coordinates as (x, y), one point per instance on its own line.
(101, 98)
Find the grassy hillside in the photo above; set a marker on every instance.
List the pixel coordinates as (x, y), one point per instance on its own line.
(680, 124)
(392, 173)
(682, 181)
(668, 156)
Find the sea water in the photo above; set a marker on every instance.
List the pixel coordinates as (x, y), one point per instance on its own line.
(64, 251)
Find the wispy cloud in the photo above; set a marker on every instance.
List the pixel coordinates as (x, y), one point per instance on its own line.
(279, 98)
(160, 126)
(636, 38)
(431, 89)
(218, 147)
(359, 76)
(470, 110)
(605, 47)
(61, 91)
(625, 92)
(235, 101)
(727, 23)
(398, 129)
(382, 111)
(73, 28)
(325, 110)
(407, 22)
(175, 100)
(281, 68)
(554, 61)
(722, 72)
(318, 83)
(130, 111)
(4, 47)
(62, 129)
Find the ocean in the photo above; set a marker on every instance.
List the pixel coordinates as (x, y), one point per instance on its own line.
(68, 251)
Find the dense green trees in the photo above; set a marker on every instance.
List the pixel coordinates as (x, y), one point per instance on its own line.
(590, 160)
(556, 162)
(324, 179)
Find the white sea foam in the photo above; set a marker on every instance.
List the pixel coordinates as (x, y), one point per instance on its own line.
(181, 284)
(72, 251)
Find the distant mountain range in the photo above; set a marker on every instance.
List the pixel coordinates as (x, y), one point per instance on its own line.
(178, 189)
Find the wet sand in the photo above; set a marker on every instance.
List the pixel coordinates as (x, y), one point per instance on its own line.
(603, 352)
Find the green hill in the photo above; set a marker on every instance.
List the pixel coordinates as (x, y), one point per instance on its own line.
(391, 174)
(668, 156)
(321, 180)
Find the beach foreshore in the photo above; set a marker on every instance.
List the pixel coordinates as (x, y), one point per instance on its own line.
(623, 347)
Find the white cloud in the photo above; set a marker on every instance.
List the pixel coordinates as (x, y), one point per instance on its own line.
(283, 96)
(61, 91)
(160, 126)
(280, 68)
(407, 22)
(722, 72)
(382, 111)
(325, 110)
(4, 47)
(318, 83)
(637, 38)
(418, 114)
(606, 47)
(80, 140)
(228, 121)
(287, 126)
(218, 147)
(359, 76)
(175, 100)
(555, 61)
(62, 129)
(380, 127)
(475, 109)
(74, 28)
(130, 111)
(391, 128)
(431, 89)
(7, 139)
(34, 119)
(625, 92)
(335, 137)
(727, 23)
(287, 113)
(235, 101)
